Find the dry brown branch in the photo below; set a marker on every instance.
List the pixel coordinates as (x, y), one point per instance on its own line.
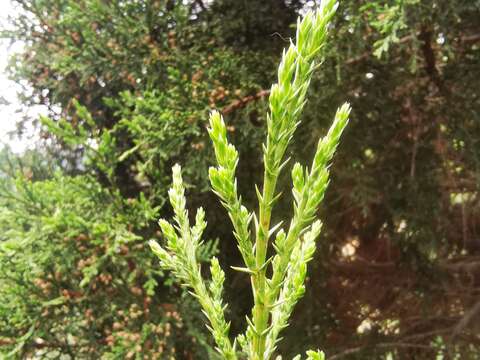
(239, 103)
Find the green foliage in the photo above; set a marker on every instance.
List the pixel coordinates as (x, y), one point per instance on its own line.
(128, 86)
(64, 241)
(389, 20)
(182, 260)
(275, 297)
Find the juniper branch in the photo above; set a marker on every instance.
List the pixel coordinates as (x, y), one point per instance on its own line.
(287, 99)
(224, 184)
(275, 297)
(293, 287)
(308, 191)
(179, 256)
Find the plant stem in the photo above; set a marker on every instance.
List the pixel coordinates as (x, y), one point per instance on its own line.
(261, 308)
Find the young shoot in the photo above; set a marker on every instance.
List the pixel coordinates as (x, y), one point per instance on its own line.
(278, 282)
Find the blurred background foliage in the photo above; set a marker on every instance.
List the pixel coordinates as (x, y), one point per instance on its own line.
(128, 85)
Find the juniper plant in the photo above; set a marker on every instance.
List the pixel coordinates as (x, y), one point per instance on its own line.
(276, 291)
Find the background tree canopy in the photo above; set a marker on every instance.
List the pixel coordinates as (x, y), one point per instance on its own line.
(129, 85)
